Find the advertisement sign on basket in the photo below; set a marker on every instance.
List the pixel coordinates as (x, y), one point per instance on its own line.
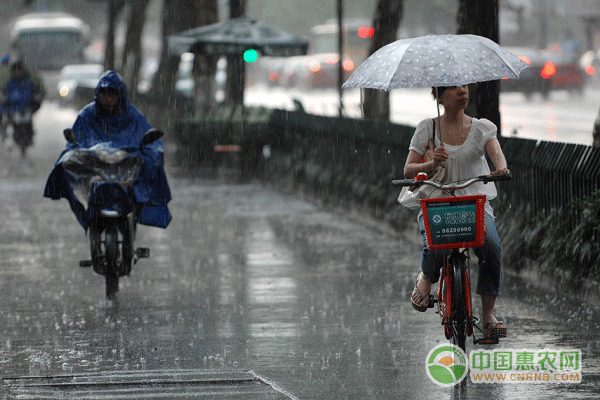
(454, 221)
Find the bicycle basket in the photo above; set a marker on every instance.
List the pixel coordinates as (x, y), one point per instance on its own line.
(453, 222)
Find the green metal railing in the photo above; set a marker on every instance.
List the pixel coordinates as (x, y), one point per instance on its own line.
(546, 175)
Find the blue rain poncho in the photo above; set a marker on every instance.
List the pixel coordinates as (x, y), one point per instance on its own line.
(122, 129)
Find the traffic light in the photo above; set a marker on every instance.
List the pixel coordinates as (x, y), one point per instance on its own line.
(250, 55)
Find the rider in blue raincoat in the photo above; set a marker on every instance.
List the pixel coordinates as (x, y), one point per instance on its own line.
(20, 89)
(117, 122)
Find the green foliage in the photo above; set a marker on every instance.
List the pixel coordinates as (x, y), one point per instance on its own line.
(566, 241)
(518, 230)
(574, 241)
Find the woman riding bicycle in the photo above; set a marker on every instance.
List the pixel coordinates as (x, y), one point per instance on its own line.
(464, 143)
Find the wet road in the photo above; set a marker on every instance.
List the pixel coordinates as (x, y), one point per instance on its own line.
(249, 293)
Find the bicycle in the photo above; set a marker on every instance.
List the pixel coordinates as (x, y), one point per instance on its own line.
(455, 223)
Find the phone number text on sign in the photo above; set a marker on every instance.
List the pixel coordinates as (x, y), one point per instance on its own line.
(461, 229)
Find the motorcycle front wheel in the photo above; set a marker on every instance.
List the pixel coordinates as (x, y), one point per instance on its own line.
(128, 230)
(111, 246)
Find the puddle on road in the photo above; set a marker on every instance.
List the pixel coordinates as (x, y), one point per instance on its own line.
(173, 384)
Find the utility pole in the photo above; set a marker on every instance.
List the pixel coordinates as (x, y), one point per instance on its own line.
(340, 17)
(236, 69)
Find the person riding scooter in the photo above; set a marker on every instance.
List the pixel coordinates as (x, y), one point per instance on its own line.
(112, 119)
(21, 96)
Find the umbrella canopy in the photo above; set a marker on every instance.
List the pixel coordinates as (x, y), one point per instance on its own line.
(236, 35)
(436, 60)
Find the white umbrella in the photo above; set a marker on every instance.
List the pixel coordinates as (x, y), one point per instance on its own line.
(436, 60)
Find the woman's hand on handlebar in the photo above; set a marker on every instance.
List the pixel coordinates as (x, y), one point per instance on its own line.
(500, 171)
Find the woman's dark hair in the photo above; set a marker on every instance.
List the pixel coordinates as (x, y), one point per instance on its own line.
(440, 90)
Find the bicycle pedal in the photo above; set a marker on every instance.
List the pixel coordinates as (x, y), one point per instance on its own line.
(432, 301)
(85, 263)
(142, 252)
(485, 341)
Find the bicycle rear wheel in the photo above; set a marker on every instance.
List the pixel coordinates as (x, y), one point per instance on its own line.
(446, 300)
(466, 283)
(459, 312)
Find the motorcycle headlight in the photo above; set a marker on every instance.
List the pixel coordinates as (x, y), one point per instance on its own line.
(112, 157)
(63, 91)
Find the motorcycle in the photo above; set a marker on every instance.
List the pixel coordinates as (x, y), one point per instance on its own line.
(22, 126)
(102, 178)
(19, 106)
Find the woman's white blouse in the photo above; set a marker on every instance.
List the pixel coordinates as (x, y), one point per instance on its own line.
(465, 161)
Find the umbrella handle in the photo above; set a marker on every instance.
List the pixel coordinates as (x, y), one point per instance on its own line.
(437, 103)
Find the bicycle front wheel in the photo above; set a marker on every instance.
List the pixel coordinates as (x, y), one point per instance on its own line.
(459, 312)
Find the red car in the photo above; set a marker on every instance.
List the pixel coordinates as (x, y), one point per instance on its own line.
(547, 71)
(563, 72)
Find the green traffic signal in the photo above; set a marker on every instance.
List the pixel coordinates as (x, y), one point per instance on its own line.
(250, 55)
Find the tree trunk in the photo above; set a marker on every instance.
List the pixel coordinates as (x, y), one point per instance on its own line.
(197, 13)
(376, 103)
(173, 21)
(205, 66)
(131, 57)
(114, 9)
(236, 69)
(481, 18)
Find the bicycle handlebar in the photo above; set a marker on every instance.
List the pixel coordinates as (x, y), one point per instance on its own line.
(452, 186)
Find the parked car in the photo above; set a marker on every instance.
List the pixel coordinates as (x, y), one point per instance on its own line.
(531, 80)
(547, 71)
(75, 76)
(315, 71)
(564, 72)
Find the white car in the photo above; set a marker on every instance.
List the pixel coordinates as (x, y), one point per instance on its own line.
(77, 75)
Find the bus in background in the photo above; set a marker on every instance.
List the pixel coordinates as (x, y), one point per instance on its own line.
(48, 41)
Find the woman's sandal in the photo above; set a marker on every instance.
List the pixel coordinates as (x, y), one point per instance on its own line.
(420, 304)
(494, 329)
